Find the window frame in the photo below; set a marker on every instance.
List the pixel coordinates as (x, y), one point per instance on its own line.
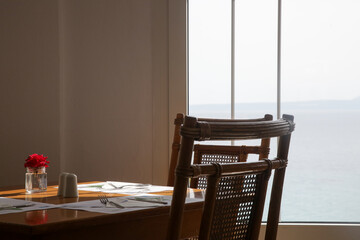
(178, 102)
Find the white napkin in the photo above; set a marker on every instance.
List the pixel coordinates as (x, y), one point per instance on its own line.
(114, 185)
(9, 205)
(13, 203)
(123, 187)
(5, 205)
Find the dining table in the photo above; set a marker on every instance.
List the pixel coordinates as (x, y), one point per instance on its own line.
(61, 222)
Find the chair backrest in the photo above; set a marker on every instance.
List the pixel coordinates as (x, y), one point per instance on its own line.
(235, 192)
(175, 148)
(230, 153)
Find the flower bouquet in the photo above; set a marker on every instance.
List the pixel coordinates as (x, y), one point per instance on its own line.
(36, 176)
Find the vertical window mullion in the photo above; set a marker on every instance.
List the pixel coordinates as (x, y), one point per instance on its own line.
(232, 62)
(187, 57)
(232, 59)
(278, 101)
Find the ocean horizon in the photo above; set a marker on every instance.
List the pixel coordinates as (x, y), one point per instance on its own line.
(323, 170)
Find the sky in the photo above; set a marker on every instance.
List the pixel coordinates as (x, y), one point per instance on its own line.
(320, 50)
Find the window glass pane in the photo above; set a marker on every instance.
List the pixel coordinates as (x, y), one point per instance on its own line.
(209, 58)
(255, 61)
(321, 88)
(255, 58)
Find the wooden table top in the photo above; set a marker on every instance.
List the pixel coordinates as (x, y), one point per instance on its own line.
(77, 224)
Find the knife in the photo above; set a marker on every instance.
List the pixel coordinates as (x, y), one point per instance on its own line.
(16, 207)
(149, 200)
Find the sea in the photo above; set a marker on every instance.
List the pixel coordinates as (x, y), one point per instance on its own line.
(323, 175)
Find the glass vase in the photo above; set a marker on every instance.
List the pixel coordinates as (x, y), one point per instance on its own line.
(35, 179)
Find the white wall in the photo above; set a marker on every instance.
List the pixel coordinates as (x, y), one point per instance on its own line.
(114, 57)
(92, 76)
(29, 86)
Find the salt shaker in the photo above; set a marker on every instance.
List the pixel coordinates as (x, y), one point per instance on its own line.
(68, 185)
(71, 186)
(62, 183)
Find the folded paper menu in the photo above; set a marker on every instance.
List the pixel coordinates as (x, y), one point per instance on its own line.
(128, 203)
(9, 205)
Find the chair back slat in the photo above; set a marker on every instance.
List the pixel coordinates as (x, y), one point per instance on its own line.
(277, 188)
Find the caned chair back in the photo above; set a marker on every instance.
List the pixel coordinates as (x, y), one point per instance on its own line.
(235, 192)
(205, 153)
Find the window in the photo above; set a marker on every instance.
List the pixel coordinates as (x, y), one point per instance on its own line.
(233, 55)
(321, 81)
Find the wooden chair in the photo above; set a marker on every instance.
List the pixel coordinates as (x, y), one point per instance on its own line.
(235, 192)
(229, 153)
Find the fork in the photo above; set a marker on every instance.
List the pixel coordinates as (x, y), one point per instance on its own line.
(104, 200)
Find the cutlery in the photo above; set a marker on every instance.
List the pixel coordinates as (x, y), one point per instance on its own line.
(104, 200)
(129, 186)
(17, 207)
(149, 200)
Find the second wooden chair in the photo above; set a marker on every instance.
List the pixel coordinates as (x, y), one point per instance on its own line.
(235, 192)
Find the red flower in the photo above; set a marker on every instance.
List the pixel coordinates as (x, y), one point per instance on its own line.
(36, 160)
